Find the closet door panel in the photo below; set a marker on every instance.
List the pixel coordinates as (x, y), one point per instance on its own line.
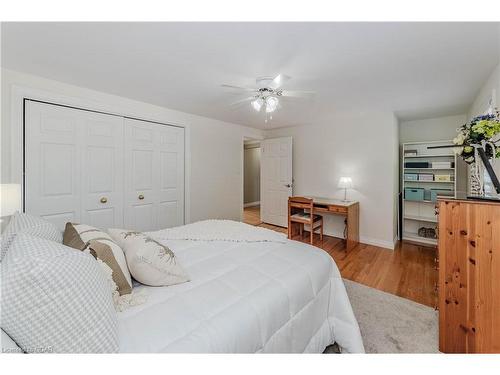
(102, 170)
(154, 175)
(141, 178)
(103, 165)
(73, 165)
(52, 162)
(171, 194)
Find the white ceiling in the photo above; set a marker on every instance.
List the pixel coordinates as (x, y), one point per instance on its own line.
(414, 69)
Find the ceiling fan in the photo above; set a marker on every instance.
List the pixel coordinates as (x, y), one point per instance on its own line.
(266, 97)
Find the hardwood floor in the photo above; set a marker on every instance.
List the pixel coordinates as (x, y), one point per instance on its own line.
(408, 271)
(251, 215)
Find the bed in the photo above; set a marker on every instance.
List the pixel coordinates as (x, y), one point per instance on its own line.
(251, 291)
(246, 295)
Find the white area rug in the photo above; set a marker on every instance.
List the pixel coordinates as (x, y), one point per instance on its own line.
(391, 324)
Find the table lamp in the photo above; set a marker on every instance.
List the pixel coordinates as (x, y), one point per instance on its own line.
(10, 199)
(345, 183)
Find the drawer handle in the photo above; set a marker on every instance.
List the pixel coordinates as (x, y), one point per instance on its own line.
(141, 197)
(104, 200)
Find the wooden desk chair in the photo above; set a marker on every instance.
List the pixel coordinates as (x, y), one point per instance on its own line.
(297, 207)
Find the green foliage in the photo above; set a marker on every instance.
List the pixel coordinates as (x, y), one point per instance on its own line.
(481, 128)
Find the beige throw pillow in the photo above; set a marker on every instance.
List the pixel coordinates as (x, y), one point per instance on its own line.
(102, 246)
(149, 262)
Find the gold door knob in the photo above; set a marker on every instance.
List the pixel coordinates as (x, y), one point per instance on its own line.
(141, 197)
(104, 200)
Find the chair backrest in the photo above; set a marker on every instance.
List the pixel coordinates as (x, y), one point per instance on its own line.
(300, 202)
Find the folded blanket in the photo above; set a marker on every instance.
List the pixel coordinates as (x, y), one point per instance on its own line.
(219, 230)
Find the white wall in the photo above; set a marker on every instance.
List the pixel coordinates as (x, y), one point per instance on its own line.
(363, 146)
(214, 152)
(251, 167)
(431, 129)
(490, 88)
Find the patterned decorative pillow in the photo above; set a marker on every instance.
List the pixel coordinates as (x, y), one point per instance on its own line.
(149, 261)
(56, 299)
(29, 224)
(102, 246)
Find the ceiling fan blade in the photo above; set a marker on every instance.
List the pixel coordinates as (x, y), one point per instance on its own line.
(240, 88)
(242, 101)
(297, 94)
(278, 81)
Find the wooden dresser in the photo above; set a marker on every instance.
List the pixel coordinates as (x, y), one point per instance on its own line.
(469, 276)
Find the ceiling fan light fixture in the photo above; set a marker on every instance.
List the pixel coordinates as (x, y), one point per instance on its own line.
(257, 104)
(271, 104)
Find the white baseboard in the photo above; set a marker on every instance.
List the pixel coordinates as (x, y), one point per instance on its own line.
(377, 242)
(252, 204)
(366, 240)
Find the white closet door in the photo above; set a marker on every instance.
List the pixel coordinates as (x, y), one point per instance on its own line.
(52, 162)
(102, 164)
(73, 159)
(276, 180)
(170, 211)
(154, 175)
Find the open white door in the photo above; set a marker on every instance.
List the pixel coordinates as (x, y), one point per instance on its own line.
(275, 180)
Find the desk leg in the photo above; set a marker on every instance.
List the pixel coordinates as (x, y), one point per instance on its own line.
(352, 226)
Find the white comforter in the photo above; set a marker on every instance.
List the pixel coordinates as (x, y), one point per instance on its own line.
(243, 297)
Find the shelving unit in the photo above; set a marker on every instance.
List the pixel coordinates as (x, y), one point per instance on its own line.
(418, 214)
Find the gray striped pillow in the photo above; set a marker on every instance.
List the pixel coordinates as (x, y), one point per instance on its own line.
(28, 224)
(56, 299)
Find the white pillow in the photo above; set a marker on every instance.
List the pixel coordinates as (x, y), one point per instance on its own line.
(57, 299)
(149, 262)
(29, 224)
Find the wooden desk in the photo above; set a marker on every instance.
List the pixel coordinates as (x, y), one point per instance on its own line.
(349, 209)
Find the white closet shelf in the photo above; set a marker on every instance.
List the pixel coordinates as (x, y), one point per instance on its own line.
(429, 156)
(431, 169)
(415, 237)
(424, 201)
(421, 218)
(431, 182)
(420, 213)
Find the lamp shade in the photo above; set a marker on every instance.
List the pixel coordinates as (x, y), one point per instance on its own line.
(10, 199)
(345, 182)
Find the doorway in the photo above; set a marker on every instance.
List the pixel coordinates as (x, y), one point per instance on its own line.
(251, 181)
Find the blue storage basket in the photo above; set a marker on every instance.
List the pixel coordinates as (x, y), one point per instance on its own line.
(414, 194)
